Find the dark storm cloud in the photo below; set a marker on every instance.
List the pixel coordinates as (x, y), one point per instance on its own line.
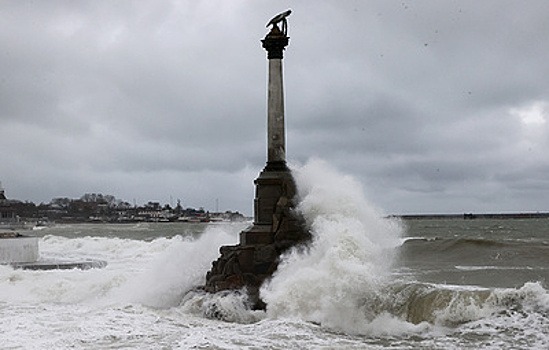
(434, 106)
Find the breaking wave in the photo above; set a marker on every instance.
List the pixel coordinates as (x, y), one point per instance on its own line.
(343, 281)
(153, 273)
(347, 263)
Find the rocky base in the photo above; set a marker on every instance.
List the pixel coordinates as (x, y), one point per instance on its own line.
(277, 227)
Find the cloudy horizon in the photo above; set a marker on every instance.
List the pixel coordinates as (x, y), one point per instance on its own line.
(434, 107)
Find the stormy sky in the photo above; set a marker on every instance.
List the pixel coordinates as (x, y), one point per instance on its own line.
(434, 106)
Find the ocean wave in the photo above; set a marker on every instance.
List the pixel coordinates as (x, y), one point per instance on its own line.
(474, 250)
(343, 282)
(455, 305)
(452, 242)
(491, 267)
(448, 243)
(153, 273)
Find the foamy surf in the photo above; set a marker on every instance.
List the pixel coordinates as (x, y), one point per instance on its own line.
(153, 273)
(344, 291)
(343, 280)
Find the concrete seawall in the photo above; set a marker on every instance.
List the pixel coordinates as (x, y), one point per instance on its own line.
(18, 249)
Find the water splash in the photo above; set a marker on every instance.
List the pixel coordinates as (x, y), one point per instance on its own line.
(154, 274)
(175, 271)
(348, 261)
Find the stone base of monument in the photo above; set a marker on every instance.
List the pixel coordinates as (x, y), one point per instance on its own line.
(21, 252)
(277, 227)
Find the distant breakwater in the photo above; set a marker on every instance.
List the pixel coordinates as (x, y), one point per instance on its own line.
(470, 216)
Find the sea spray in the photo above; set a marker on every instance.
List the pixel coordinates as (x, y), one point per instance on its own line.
(77, 309)
(228, 305)
(75, 286)
(177, 270)
(152, 273)
(344, 279)
(347, 262)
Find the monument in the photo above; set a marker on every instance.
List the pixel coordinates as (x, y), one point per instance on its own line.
(276, 225)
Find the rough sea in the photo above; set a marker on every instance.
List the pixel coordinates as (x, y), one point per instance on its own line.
(365, 282)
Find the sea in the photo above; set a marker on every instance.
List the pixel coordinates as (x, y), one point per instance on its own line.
(366, 281)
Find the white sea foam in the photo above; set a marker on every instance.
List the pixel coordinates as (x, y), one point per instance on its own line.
(342, 282)
(508, 316)
(179, 268)
(347, 262)
(154, 273)
(229, 306)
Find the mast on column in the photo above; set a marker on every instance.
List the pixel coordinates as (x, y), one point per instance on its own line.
(275, 42)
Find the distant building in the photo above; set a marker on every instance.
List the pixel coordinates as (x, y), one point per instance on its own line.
(2, 193)
(8, 214)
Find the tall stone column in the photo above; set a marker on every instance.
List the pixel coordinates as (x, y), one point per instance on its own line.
(275, 181)
(275, 42)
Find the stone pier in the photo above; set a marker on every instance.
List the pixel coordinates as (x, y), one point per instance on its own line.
(276, 226)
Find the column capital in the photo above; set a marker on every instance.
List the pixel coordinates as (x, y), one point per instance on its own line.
(275, 42)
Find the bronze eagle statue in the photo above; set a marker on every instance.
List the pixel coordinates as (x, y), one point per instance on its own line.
(281, 17)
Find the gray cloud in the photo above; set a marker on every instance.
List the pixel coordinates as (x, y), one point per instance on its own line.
(434, 107)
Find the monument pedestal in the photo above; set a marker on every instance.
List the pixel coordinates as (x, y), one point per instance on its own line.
(257, 234)
(276, 228)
